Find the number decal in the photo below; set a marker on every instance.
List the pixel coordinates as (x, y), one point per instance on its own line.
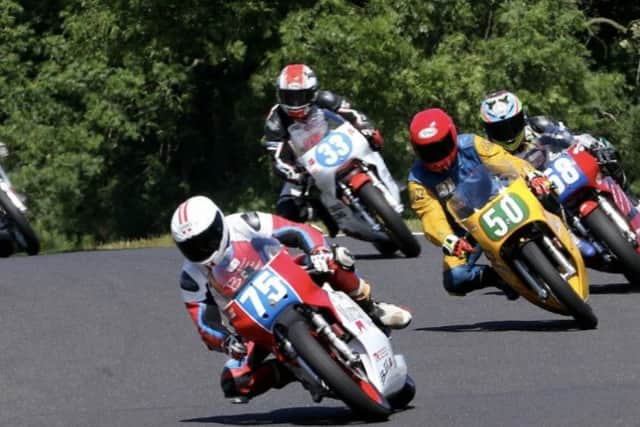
(265, 289)
(565, 175)
(334, 149)
(504, 216)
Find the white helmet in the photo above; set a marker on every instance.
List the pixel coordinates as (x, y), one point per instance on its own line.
(199, 230)
(296, 88)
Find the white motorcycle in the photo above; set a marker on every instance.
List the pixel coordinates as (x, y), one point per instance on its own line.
(354, 183)
(15, 230)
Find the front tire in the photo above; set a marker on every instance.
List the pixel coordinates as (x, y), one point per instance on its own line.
(540, 265)
(606, 231)
(27, 238)
(374, 200)
(369, 404)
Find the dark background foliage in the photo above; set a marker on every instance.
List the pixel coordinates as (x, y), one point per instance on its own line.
(116, 110)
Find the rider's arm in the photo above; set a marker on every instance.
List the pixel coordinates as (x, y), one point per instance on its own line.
(275, 141)
(428, 209)
(295, 234)
(498, 159)
(202, 308)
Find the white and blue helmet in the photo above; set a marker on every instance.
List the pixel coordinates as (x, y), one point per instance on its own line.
(504, 119)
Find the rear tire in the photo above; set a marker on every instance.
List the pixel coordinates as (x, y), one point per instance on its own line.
(606, 231)
(338, 380)
(374, 200)
(30, 242)
(533, 256)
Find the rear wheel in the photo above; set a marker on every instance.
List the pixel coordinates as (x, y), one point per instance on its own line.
(374, 200)
(604, 229)
(361, 397)
(21, 229)
(581, 311)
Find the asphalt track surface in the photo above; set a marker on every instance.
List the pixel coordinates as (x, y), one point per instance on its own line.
(102, 339)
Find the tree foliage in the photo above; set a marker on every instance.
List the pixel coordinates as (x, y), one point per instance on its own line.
(116, 110)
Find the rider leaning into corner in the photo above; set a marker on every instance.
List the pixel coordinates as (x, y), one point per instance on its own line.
(444, 159)
(534, 138)
(221, 251)
(299, 102)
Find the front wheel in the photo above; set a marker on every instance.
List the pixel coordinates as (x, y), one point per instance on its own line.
(360, 396)
(21, 229)
(604, 229)
(377, 205)
(542, 267)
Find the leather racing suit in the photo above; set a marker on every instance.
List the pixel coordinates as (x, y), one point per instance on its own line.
(208, 288)
(276, 136)
(429, 190)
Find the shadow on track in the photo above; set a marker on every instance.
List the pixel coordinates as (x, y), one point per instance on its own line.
(614, 288)
(321, 416)
(564, 325)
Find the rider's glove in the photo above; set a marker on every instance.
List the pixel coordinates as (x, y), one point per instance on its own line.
(457, 246)
(291, 173)
(376, 141)
(234, 347)
(321, 258)
(539, 184)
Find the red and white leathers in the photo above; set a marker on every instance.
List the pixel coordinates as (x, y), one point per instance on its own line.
(207, 288)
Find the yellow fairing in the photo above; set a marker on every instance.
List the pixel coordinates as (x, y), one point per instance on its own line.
(522, 208)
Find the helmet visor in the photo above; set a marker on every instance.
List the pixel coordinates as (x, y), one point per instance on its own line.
(202, 246)
(506, 131)
(296, 98)
(435, 151)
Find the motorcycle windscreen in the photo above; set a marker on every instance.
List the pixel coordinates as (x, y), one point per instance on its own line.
(476, 190)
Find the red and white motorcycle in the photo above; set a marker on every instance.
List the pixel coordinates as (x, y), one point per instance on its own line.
(327, 341)
(354, 183)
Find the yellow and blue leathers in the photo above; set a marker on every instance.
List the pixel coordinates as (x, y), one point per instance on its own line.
(429, 190)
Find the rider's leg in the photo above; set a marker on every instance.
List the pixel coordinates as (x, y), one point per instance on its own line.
(461, 277)
(345, 278)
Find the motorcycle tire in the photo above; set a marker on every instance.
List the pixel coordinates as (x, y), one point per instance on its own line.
(335, 376)
(27, 238)
(377, 205)
(401, 399)
(540, 265)
(605, 230)
(386, 248)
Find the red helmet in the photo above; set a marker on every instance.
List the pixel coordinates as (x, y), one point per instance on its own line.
(434, 139)
(296, 89)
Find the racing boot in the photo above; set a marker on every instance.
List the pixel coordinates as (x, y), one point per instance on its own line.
(489, 277)
(586, 249)
(385, 315)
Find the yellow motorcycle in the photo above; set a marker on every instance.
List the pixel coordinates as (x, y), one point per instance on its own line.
(529, 247)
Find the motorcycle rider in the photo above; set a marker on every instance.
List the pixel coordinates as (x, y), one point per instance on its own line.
(222, 251)
(534, 138)
(444, 159)
(298, 102)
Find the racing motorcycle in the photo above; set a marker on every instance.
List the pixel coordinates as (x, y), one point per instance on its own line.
(325, 339)
(597, 209)
(355, 185)
(529, 247)
(15, 229)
